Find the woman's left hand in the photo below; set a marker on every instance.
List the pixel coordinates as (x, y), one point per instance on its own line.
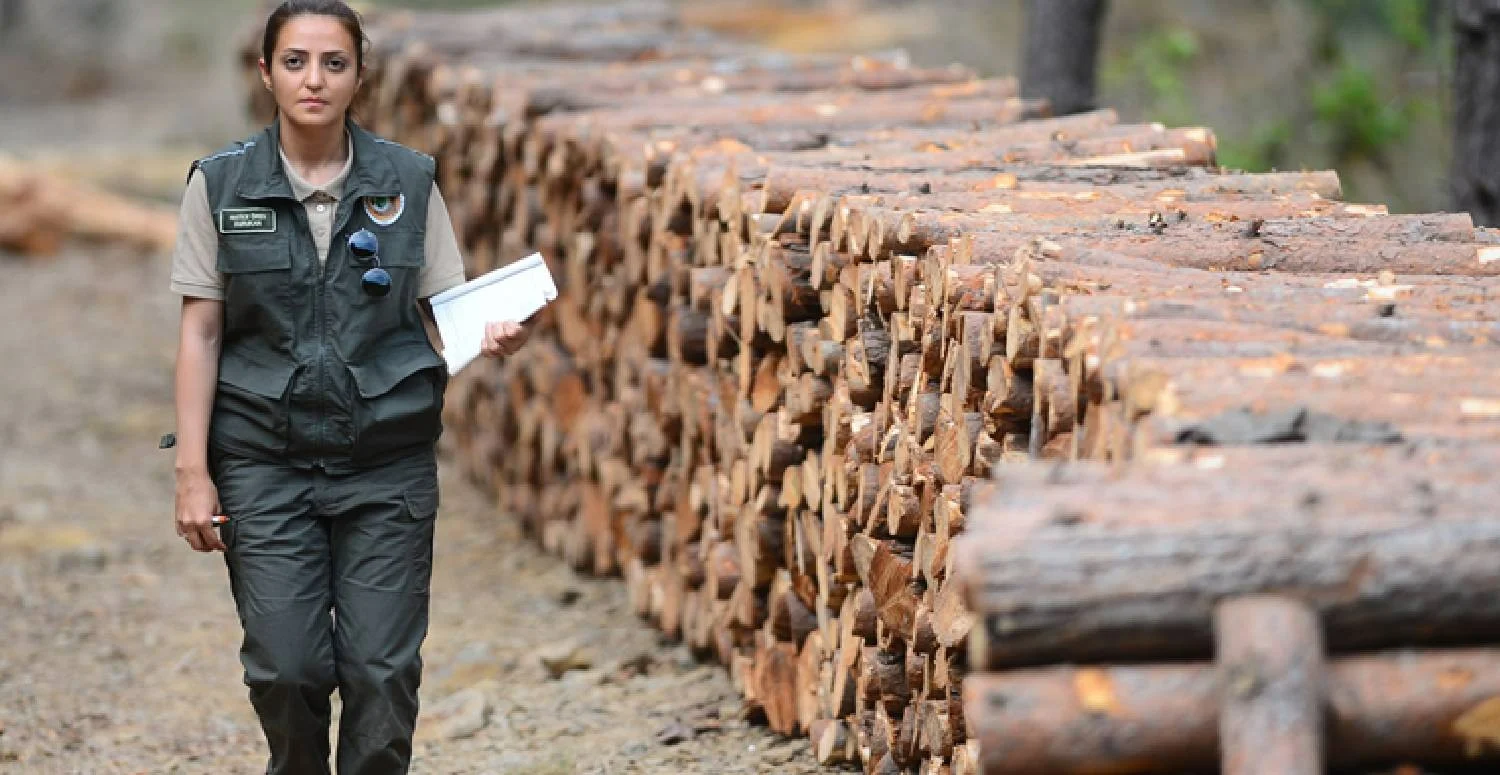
(503, 337)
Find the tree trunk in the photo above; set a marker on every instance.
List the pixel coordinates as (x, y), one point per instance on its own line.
(10, 16)
(1476, 110)
(1062, 49)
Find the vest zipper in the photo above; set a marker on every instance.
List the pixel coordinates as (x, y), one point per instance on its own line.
(341, 217)
(319, 433)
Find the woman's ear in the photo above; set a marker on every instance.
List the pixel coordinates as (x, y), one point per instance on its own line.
(265, 73)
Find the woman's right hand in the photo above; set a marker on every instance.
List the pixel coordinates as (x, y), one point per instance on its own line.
(197, 504)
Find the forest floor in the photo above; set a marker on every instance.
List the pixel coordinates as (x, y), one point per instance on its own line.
(119, 646)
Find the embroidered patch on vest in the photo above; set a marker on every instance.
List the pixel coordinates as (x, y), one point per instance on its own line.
(385, 210)
(247, 220)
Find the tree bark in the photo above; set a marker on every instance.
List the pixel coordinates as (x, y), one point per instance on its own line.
(1270, 665)
(1150, 718)
(1475, 180)
(1108, 569)
(1062, 52)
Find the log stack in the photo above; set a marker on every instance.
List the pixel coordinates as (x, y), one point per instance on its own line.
(1265, 608)
(41, 210)
(809, 304)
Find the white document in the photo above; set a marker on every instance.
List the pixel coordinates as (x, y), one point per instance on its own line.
(515, 291)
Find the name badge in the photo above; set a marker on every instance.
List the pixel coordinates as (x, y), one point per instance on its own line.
(247, 220)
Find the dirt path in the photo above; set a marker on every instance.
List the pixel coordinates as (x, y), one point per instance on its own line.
(118, 645)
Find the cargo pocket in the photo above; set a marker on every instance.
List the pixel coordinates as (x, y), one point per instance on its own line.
(400, 403)
(422, 503)
(251, 405)
(421, 508)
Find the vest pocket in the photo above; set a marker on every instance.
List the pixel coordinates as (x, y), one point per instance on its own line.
(251, 404)
(257, 282)
(243, 255)
(398, 247)
(400, 402)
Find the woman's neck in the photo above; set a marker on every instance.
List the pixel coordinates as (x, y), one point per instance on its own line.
(316, 153)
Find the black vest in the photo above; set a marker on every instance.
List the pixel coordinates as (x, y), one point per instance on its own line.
(313, 371)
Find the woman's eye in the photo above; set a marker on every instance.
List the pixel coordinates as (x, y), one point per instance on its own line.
(336, 65)
(292, 63)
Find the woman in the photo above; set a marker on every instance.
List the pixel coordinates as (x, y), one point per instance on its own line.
(309, 398)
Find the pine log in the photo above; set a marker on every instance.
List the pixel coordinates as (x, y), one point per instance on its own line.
(1387, 551)
(1381, 708)
(39, 210)
(750, 403)
(1295, 250)
(1269, 657)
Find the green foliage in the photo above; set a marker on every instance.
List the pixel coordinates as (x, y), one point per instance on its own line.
(1160, 61)
(1361, 119)
(1405, 20)
(1408, 21)
(1360, 102)
(1266, 144)
(1362, 92)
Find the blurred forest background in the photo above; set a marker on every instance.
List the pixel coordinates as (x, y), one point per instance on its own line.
(1360, 86)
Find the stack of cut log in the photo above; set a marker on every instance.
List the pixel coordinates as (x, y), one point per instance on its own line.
(1267, 609)
(40, 210)
(810, 303)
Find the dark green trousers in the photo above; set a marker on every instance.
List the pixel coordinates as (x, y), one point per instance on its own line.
(330, 577)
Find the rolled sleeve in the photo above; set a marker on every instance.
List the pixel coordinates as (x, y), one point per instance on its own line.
(444, 263)
(195, 257)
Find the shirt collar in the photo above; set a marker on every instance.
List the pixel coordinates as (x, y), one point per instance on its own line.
(264, 176)
(334, 188)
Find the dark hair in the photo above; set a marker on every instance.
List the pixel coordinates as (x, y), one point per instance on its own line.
(291, 9)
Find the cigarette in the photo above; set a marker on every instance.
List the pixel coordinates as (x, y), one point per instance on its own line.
(218, 519)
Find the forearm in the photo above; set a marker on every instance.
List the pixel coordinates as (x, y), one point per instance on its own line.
(196, 380)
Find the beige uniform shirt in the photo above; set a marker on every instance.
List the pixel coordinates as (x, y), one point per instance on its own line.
(195, 259)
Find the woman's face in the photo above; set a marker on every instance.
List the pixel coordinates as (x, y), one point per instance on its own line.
(312, 73)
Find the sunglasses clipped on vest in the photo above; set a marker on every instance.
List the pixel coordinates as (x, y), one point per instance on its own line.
(366, 247)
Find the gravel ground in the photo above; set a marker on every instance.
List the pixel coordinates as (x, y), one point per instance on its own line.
(118, 651)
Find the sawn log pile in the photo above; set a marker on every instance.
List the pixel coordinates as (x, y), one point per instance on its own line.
(811, 303)
(40, 210)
